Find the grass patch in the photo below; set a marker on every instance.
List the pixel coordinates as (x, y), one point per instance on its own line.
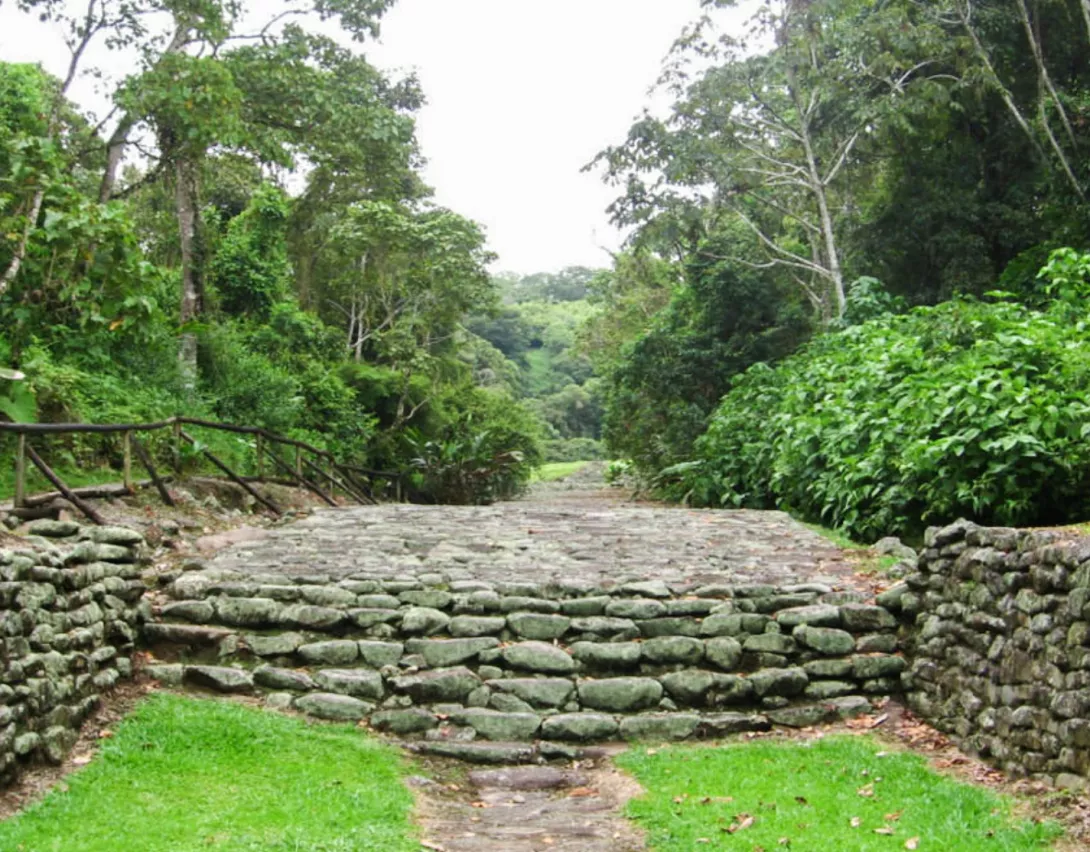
(837, 537)
(184, 774)
(805, 796)
(556, 470)
(863, 557)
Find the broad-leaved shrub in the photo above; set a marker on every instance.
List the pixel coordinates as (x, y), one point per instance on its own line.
(962, 409)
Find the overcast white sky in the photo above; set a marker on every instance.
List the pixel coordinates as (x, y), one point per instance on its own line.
(520, 95)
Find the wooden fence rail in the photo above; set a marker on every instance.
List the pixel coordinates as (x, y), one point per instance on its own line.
(351, 480)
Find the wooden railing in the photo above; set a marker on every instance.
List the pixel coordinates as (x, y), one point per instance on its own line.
(312, 468)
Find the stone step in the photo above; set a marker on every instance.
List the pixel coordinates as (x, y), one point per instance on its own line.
(359, 695)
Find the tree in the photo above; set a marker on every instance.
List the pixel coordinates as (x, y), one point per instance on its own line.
(771, 138)
(185, 94)
(250, 271)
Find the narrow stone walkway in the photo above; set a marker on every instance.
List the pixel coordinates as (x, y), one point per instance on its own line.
(530, 809)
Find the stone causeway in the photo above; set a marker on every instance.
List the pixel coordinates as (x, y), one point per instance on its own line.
(537, 629)
(555, 622)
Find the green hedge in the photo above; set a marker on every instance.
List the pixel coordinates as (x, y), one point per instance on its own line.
(963, 409)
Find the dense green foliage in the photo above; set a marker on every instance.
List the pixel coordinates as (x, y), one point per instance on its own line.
(829, 164)
(835, 793)
(535, 330)
(963, 409)
(193, 282)
(182, 774)
(663, 384)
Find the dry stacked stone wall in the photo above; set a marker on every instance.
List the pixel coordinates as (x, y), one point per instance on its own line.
(1001, 645)
(70, 613)
(460, 659)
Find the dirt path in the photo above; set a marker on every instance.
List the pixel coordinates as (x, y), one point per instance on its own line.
(528, 809)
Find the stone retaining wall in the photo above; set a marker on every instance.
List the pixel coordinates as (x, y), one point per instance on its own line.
(455, 659)
(1001, 646)
(69, 616)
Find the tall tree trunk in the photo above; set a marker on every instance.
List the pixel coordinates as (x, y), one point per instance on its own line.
(965, 13)
(187, 206)
(115, 151)
(119, 139)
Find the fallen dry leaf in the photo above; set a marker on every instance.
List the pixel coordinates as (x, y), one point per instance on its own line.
(856, 822)
(885, 829)
(582, 792)
(912, 843)
(866, 791)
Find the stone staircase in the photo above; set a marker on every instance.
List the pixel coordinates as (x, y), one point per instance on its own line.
(447, 660)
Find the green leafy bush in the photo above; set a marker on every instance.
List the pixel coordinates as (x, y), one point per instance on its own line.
(246, 387)
(485, 450)
(251, 272)
(963, 409)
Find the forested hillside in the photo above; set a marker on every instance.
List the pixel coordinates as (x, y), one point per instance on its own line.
(537, 329)
(245, 236)
(823, 172)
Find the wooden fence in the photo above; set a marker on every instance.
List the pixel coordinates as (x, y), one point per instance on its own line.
(307, 466)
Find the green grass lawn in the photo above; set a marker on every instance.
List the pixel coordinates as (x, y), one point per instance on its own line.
(842, 794)
(556, 470)
(186, 774)
(837, 537)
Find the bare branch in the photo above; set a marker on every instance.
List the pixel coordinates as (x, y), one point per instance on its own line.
(1042, 73)
(784, 256)
(846, 149)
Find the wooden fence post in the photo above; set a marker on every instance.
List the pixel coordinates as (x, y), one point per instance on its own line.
(234, 477)
(299, 461)
(20, 473)
(126, 462)
(160, 486)
(177, 447)
(68, 493)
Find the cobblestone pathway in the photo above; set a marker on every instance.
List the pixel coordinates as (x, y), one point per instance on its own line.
(576, 536)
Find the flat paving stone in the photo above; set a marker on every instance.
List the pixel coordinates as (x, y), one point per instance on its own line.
(533, 809)
(587, 535)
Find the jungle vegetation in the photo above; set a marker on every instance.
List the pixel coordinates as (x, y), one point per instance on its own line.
(856, 284)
